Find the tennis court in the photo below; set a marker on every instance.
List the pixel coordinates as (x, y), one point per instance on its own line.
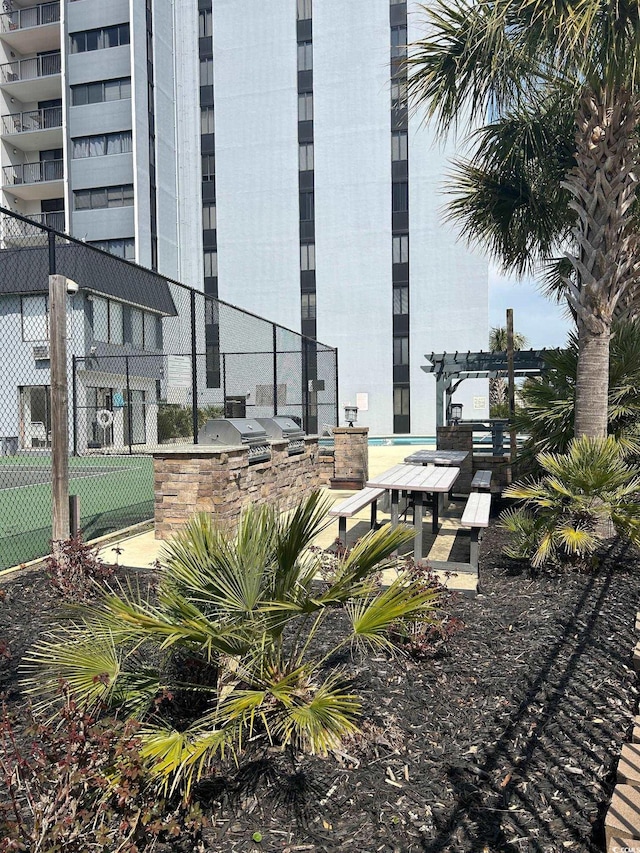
(114, 492)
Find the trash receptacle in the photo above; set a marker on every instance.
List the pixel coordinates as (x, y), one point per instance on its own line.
(10, 445)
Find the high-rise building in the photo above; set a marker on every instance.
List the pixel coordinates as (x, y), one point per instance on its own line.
(267, 155)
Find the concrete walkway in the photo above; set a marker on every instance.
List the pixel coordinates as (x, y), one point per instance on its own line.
(144, 549)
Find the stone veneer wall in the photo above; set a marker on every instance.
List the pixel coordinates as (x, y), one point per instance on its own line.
(351, 457)
(221, 482)
(460, 437)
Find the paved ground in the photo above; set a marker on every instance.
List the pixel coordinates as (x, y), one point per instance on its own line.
(144, 549)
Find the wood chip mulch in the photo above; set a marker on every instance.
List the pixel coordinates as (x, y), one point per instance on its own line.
(505, 740)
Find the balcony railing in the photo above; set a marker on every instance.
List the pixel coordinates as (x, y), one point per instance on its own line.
(34, 16)
(53, 220)
(33, 173)
(30, 69)
(44, 119)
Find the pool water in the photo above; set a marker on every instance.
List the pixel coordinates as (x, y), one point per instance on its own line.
(391, 441)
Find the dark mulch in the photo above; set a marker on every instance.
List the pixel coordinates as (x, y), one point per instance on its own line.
(505, 741)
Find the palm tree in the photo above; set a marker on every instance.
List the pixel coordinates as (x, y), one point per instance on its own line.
(498, 343)
(561, 61)
(231, 651)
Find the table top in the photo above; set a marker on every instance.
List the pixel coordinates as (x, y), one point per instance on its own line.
(437, 457)
(416, 478)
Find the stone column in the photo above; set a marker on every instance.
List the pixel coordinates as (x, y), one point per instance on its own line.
(459, 437)
(351, 457)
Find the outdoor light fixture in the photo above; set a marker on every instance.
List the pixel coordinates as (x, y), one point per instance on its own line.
(350, 414)
(456, 413)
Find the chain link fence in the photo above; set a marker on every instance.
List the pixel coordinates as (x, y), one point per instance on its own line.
(149, 362)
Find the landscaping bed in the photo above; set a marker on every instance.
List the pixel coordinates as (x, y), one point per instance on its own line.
(506, 739)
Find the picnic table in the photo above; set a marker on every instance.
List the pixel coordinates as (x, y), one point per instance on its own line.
(417, 481)
(437, 457)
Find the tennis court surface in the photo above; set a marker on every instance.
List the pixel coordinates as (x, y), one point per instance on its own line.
(114, 492)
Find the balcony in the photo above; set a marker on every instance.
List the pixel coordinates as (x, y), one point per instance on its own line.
(34, 180)
(32, 30)
(34, 79)
(38, 129)
(17, 232)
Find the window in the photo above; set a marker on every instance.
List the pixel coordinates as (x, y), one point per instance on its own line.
(400, 401)
(210, 264)
(121, 196)
(401, 350)
(401, 249)
(208, 167)
(308, 306)
(208, 217)
(398, 41)
(306, 206)
(108, 318)
(35, 318)
(304, 10)
(305, 157)
(121, 248)
(100, 39)
(206, 120)
(98, 93)
(308, 256)
(400, 197)
(100, 319)
(149, 331)
(137, 328)
(305, 56)
(205, 23)
(396, 2)
(115, 323)
(206, 72)
(399, 145)
(104, 143)
(305, 106)
(399, 94)
(400, 300)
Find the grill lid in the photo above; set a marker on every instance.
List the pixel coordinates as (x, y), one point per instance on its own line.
(232, 431)
(281, 427)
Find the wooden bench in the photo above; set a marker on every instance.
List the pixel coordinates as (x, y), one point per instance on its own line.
(476, 516)
(352, 505)
(481, 481)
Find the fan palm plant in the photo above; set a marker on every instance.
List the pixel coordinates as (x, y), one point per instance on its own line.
(232, 648)
(567, 75)
(562, 513)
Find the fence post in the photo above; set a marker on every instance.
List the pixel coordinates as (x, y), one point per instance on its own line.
(59, 411)
(129, 406)
(224, 382)
(336, 389)
(512, 388)
(275, 371)
(194, 369)
(74, 404)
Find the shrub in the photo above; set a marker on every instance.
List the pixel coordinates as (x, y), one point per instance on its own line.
(245, 611)
(80, 787)
(176, 421)
(564, 512)
(74, 569)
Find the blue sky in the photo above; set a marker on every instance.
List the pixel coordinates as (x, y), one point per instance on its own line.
(541, 321)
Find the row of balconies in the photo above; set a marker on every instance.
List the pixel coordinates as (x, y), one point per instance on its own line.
(28, 78)
(33, 16)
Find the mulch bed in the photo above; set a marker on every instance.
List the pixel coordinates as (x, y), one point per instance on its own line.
(506, 740)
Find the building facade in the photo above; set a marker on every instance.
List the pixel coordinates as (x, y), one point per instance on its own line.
(269, 158)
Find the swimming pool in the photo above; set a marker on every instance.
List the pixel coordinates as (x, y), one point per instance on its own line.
(391, 440)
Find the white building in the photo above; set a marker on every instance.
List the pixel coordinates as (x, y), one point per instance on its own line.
(268, 158)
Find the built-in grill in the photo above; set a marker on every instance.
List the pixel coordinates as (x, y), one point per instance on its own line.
(280, 428)
(238, 432)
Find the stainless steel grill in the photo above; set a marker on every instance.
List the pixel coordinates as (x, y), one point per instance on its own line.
(279, 428)
(238, 432)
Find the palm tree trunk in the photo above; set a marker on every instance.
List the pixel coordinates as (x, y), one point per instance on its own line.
(592, 382)
(603, 188)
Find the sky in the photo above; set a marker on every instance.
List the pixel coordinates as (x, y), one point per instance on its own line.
(539, 320)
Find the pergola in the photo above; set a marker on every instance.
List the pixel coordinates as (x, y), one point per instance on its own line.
(451, 369)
